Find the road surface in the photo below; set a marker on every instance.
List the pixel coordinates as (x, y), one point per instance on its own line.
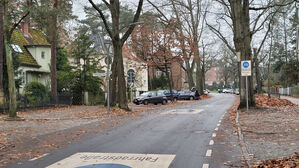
(176, 138)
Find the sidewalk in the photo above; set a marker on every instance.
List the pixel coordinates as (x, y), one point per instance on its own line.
(270, 131)
(292, 99)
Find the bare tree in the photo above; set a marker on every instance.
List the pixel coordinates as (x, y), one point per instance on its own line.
(243, 28)
(118, 42)
(7, 33)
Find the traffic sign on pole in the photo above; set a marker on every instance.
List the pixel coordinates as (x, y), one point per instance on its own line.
(246, 68)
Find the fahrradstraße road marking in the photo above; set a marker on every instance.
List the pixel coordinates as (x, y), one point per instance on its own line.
(121, 160)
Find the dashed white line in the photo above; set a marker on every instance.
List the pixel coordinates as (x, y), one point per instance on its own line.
(209, 153)
(214, 135)
(211, 142)
(35, 158)
(218, 125)
(205, 166)
(216, 129)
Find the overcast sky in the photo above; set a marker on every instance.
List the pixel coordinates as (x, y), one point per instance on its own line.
(79, 4)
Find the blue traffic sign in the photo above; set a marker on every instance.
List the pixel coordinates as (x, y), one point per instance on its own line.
(245, 64)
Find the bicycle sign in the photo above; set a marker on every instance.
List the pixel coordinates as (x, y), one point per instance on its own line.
(246, 68)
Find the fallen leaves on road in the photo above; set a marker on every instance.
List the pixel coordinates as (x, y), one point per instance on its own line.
(265, 101)
(289, 162)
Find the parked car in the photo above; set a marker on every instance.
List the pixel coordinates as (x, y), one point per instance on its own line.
(220, 91)
(153, 97)
(236, 91)
(227, 90)
(206, 91)
(167, 94)
(188, 95)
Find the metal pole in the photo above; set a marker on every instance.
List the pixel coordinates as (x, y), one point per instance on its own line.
(246, 93)
(108, 82)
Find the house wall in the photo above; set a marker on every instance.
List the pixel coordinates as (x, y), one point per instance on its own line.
(30, 74)
(42, 74)
(178, 76)
(45, 62)
(141, 74)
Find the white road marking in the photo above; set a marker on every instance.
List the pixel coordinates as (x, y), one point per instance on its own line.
(35, 158)
(211, 142)
(209, 153)
(124, 159)
(218, 125)
(214, 135)
(183, 112)
(205, 166)
(216, 129)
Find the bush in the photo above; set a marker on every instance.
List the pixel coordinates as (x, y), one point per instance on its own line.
(159, 82)
(36, 94)
(35, 88)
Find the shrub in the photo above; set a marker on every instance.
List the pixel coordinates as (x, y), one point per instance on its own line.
(35, 88)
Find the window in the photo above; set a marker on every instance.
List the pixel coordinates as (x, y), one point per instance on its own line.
(43, 54)
(131, 76)
(16, 48)
(158, 73)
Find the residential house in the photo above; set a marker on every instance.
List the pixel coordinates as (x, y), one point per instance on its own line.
(34, 53)
(134, 68)
(215, 74)
(177, 73)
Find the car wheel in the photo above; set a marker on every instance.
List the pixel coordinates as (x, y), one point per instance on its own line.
(191, 98)
(137, 103)
(175, 99)
(145, 102)
(164, 102)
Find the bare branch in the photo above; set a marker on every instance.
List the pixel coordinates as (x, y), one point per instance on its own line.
(103, 17)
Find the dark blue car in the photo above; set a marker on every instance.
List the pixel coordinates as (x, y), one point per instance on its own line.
(167, 94)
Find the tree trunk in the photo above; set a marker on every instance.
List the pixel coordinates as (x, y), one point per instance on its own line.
(189, 72)
(53, 55)
(242, 40)
(122, 90)
(11, 81)
(113, 88)
(1, 48)
(9, 64)
(257, 72)
(169, 80)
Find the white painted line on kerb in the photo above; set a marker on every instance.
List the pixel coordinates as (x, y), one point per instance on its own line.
(211, 142)
(209, 153)
(205, 166)
(214, 135)
(218, 125)
(35, 158)
(216, 129)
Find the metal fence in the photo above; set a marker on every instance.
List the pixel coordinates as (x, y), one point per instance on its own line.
(35, 101)
(289, 91)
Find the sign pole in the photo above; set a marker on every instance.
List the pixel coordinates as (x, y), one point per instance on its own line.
(246, 93)
(246, 71)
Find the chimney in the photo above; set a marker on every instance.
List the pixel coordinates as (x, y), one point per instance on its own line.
(25, 28)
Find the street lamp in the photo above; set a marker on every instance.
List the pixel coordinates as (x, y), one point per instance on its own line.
(107, 44)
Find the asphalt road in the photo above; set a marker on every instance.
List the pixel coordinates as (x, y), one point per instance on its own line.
(179, 137)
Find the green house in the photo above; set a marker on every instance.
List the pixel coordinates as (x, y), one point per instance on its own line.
(34, 53)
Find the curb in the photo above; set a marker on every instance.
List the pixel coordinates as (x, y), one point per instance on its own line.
(242, 143)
